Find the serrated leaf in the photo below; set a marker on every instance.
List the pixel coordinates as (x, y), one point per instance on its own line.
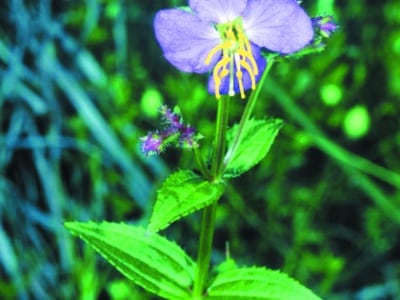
(148, 259)
(181, 194)
(258, 136)
(257, 283)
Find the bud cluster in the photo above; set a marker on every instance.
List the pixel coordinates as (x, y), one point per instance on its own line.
(175, 133)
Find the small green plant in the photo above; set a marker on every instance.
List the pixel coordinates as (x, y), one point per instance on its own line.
(238, 42)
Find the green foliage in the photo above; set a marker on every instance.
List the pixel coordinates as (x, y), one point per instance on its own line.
(256, 284)
(181, 194)
(148, 259)
(163, 268)
(317, 202)
(258, 136)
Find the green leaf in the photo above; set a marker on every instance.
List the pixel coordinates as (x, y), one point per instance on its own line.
(257, 283)
(258, 136)
(181, 194)
(150, 260)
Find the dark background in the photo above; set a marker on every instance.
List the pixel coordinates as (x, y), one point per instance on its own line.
(81, 81)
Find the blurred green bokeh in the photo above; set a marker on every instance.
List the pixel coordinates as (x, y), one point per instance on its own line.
(81, 82)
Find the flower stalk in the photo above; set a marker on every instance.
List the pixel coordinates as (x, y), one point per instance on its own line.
(218, 164)
(220, 138)
(208, 217)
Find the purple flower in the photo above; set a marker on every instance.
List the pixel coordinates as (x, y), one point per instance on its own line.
(226, 37)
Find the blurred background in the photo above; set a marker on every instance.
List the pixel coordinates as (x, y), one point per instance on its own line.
(81, 81)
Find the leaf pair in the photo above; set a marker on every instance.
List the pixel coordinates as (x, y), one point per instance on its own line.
(163, 268)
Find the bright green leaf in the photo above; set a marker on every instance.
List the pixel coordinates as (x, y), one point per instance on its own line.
(150, 260)
(257, 284)
(227, 265)
(181, 194)
(258, 136)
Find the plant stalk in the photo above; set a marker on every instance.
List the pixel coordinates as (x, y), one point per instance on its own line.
(208, 217)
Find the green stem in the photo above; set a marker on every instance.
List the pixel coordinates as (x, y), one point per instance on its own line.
(204, 252)
(220, 138)
(246, 114)
(208, 217)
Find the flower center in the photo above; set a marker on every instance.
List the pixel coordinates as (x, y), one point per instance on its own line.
(236, 56)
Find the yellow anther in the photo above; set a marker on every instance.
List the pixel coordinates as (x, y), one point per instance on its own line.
(214, 51)
(250, 57)
(236, 56)
(239, 76)
(219, 72)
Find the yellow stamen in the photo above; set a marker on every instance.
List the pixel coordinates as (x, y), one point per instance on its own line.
(247, 67)
(214, 51)
(219, 73)
(236, 55)
(251, 59)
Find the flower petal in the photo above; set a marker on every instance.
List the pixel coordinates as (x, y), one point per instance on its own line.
(185, 39)
(278, 25)
(218, 11)
(224, 88)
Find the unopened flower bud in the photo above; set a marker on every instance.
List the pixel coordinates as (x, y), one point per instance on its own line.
(325, 26)
(151, 144)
